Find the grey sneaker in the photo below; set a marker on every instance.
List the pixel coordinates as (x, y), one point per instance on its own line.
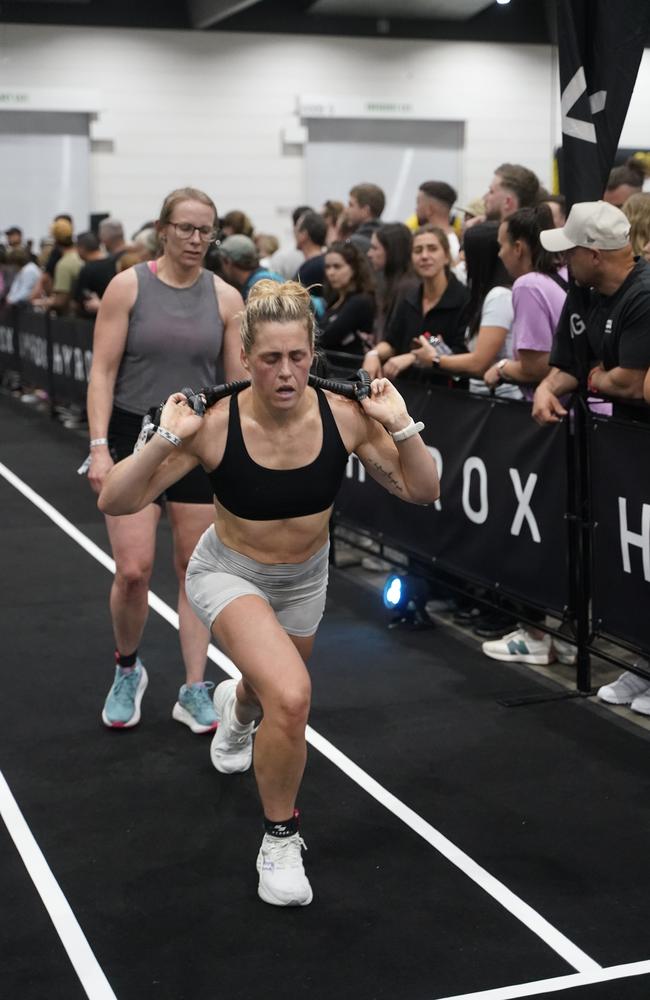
(282, 876)
(624, 690)
(231, 749)
(641, 703)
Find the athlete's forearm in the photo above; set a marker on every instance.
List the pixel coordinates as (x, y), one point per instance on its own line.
(128, 486)
(99, 403)
(419, 470)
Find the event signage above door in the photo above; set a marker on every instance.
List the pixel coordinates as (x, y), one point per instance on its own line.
(49, 99)
(318, 106)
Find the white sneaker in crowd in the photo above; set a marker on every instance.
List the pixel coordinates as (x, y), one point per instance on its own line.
(282, 877)
(626, 689)
(520, 647)
(565, 652)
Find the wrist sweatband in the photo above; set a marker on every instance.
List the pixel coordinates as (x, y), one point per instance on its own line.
(96, 442)
(407, 431)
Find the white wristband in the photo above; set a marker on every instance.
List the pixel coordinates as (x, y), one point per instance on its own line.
(96, 442)
(168, 436)
(408, 431)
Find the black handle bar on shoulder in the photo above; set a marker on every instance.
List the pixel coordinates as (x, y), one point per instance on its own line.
(358, 387)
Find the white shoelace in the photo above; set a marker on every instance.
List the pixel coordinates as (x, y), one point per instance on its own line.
(285, 852)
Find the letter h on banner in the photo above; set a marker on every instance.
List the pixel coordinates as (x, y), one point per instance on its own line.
(629, 538)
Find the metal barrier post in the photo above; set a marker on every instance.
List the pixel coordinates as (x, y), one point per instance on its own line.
(579, 538)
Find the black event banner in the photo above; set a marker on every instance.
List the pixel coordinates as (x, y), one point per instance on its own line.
(32, 337)
(501, 518)
(620, 487)
(71, 345)
(49, 352)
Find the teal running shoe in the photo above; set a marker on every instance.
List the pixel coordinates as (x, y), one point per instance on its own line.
(194, 707)
(122, 706)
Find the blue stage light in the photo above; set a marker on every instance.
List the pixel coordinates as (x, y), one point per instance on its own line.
(393, 592)
(407, 595)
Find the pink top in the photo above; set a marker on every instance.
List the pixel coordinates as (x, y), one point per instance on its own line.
(537, 302)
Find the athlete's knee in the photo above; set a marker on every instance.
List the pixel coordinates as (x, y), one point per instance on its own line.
(132, 578)
(290, 707)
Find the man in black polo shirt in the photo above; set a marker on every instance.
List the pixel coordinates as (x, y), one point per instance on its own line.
(608, 352)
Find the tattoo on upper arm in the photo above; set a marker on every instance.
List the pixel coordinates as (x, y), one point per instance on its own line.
(389, 475)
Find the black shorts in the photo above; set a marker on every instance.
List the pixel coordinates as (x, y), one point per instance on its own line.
(123, 431)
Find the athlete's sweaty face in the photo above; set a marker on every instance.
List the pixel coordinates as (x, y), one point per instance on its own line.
(279, 362)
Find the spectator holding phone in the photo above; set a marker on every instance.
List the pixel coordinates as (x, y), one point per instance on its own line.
(489, 316)
(435, 307)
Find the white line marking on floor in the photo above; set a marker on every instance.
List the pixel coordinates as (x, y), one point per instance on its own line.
(557, 984)
(557, 941)
(72, 937)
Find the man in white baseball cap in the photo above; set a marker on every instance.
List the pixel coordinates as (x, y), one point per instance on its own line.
(608, 350)
(595, 225)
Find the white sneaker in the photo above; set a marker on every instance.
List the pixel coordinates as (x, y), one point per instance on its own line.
(641, 703)
(282, 877)
(231, 749)
(566, 652)
(520, 647)
(625, 690)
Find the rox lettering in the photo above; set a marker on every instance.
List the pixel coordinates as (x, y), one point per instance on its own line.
(475, 474)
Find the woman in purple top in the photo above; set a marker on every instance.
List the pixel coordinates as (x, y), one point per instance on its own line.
(538, 294)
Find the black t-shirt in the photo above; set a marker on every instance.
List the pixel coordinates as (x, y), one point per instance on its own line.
(312, 272)
(617, 327)
(341, 325)
(95, 276)
(447, 319)
(53, 260)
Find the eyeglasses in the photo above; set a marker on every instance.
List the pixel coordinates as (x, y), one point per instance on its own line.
(185, 231)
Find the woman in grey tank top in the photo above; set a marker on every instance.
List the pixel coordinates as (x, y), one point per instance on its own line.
(161, 325)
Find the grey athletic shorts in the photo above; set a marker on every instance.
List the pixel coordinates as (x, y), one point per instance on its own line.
(217, 575)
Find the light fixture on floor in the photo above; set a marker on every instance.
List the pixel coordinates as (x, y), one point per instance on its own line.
(407, 595)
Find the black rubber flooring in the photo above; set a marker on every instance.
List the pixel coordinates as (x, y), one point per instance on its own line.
(155, 851)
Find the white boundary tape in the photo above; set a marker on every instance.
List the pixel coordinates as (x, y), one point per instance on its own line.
(557, 941)
(557, 984)
(72, 937)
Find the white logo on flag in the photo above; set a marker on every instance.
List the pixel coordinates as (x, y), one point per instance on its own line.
(570, 97)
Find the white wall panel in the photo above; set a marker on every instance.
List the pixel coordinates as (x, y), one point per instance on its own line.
(210, 109)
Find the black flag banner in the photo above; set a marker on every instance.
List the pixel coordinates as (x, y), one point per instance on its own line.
(600, 45)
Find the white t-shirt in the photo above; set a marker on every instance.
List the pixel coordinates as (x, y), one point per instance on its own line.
(454, 245)
(497, 311)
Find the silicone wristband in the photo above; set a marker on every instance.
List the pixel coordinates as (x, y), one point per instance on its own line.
(408, 431)
(168, 436)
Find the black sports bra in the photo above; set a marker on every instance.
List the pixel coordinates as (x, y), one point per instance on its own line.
(256, 493)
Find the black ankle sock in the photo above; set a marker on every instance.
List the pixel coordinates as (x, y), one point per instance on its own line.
(285, 828)
(123, 660)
